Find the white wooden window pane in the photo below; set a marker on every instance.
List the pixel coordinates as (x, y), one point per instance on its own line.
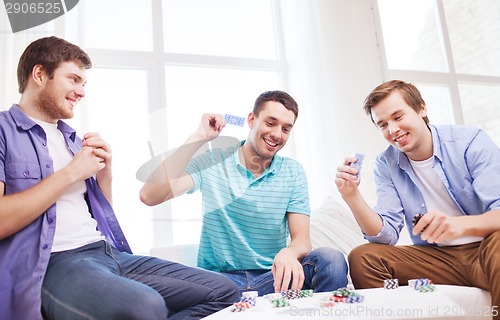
(238, 28)
(480, 106)
(412, 35)
(438, 102)
(191, 92)
(122, 120)
(474, 29)
(118, 24)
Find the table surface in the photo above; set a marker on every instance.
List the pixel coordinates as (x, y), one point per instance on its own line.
(401, 303)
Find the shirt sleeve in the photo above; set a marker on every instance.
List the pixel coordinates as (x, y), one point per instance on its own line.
(483, 162)
(299, 200)
(388, 207)
(195, 167)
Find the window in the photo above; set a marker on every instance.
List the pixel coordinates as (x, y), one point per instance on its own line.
(450, 50)
(156, 71)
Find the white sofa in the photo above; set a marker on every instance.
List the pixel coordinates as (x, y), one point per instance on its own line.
(333, 225)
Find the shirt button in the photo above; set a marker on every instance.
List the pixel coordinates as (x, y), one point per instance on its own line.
(47, 165)
(50, 220)
(44, 144)
(26, 173)
(45, 246)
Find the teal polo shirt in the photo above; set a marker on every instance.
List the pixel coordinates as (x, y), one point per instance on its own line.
(244, 218)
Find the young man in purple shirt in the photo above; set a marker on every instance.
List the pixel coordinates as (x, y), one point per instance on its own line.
(62, 252)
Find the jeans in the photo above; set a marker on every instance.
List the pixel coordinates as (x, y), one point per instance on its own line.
(97, 281)
(472, 264)
(325, 269)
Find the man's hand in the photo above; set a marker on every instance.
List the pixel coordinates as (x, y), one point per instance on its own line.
(210, 126)
(437, 227)
(101, 150)
(287, 269)
(346, 180)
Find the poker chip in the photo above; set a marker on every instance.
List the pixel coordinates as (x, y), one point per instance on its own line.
(249, 300)
(342, 292)
(240, 306)
(306, 293)
(292, 294)
(346, 295)
(416, 218)
(337, 298)
(354, 298)
(272, 296)
(250, 294)
(417, 283)
(427, 288)
(391, 284)
(280, 303)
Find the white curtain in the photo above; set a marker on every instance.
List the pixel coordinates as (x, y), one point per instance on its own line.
(332, 64)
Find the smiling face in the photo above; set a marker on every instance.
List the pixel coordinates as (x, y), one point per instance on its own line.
(403, 127)
(59, 95)
(269, 132)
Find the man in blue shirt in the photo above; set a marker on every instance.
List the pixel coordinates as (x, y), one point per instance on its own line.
(62, 252)
(253, 199)
(450, 175)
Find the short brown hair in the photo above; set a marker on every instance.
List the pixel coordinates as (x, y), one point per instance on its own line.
(279, 96)
(408, 91)
(48, 52)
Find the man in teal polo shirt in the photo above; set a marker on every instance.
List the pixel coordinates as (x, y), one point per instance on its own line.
(253, 199)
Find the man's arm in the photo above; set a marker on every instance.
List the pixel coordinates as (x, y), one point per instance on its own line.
(20, 209)
(347, 184)
(170, 179)
(286, 265)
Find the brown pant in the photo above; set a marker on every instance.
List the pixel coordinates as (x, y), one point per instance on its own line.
(474, 265)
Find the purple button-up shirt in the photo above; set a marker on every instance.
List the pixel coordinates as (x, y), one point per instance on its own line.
(24, 162)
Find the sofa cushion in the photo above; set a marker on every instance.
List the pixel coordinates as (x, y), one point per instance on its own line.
(333, 225)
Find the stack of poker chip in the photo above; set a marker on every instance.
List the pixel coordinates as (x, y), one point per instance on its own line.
(427, 288)
(306, 293)
(391, 284)
(417, 283)
(240, 306)
(292, 294)
(272, 296)
(280, 302)
(354, 298)
(346, 295)
(248, 300)
(250, 297)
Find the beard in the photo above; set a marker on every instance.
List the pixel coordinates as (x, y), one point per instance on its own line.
(47, 104)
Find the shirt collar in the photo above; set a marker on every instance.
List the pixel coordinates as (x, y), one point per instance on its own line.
(271, 169)
(24, 122)
(403, 161)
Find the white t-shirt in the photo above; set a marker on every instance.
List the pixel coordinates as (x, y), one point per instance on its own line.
(436, 196)
(75, 226)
